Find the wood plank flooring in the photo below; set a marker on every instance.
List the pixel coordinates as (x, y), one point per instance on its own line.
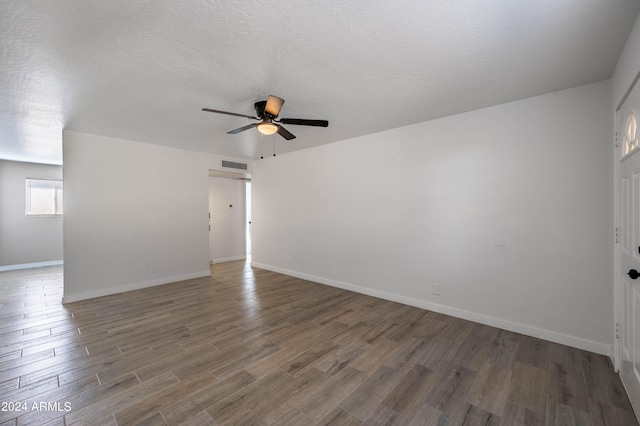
(252, 347)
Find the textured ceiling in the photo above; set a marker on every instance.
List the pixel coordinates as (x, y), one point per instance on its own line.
(143, 69)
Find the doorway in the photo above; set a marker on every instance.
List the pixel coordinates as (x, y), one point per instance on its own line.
(229, 232)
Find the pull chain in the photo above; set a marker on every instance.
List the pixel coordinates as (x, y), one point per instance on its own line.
(261, 146)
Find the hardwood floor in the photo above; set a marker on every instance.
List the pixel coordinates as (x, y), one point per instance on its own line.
(252, 347)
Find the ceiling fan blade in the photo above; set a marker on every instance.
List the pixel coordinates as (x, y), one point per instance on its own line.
(230, 113)
(304, 122)
(273, 106)
(285, 133)
(243, 128)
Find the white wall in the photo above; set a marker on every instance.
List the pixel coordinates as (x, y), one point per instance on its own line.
(227, 207)
(26, 241)
(628, 64)
(136, 214)
(509, 208)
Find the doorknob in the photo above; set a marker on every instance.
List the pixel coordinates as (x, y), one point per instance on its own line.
(633, 274)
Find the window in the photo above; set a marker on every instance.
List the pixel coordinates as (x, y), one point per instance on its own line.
(44, 197)
(630, 136)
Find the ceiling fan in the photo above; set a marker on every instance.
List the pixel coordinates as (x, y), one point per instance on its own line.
(267, 112)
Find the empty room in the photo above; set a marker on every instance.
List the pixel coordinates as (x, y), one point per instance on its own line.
(319, 213)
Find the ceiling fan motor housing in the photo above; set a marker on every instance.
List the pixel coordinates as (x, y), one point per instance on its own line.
(259, 106)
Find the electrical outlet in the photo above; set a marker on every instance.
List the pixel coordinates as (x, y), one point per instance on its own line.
(152, 269)
(435, 289)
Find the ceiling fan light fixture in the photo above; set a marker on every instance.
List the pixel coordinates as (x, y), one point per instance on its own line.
(267, 128)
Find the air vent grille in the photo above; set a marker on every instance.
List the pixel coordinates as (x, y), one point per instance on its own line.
(234, 165)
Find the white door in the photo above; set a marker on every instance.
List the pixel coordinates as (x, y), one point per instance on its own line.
(211, 213)
(247, 197)
(628, 290)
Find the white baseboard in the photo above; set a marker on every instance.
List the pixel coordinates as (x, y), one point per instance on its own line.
(552, 336)
(31, 265)
(68, 298)
(228, 259)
